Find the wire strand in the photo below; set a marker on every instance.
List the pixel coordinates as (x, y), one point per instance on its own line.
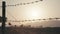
(17, 4)
(35, 20)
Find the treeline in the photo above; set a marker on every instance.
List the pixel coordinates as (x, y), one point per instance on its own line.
(31, 30)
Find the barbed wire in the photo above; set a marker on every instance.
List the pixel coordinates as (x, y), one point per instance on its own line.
(23, 3)
(33, 20)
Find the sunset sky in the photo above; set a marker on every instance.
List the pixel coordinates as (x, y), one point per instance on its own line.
(42, 9)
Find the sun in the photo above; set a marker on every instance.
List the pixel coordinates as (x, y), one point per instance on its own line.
(34, 13)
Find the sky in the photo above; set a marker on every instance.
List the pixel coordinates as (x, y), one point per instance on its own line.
(42, 9)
